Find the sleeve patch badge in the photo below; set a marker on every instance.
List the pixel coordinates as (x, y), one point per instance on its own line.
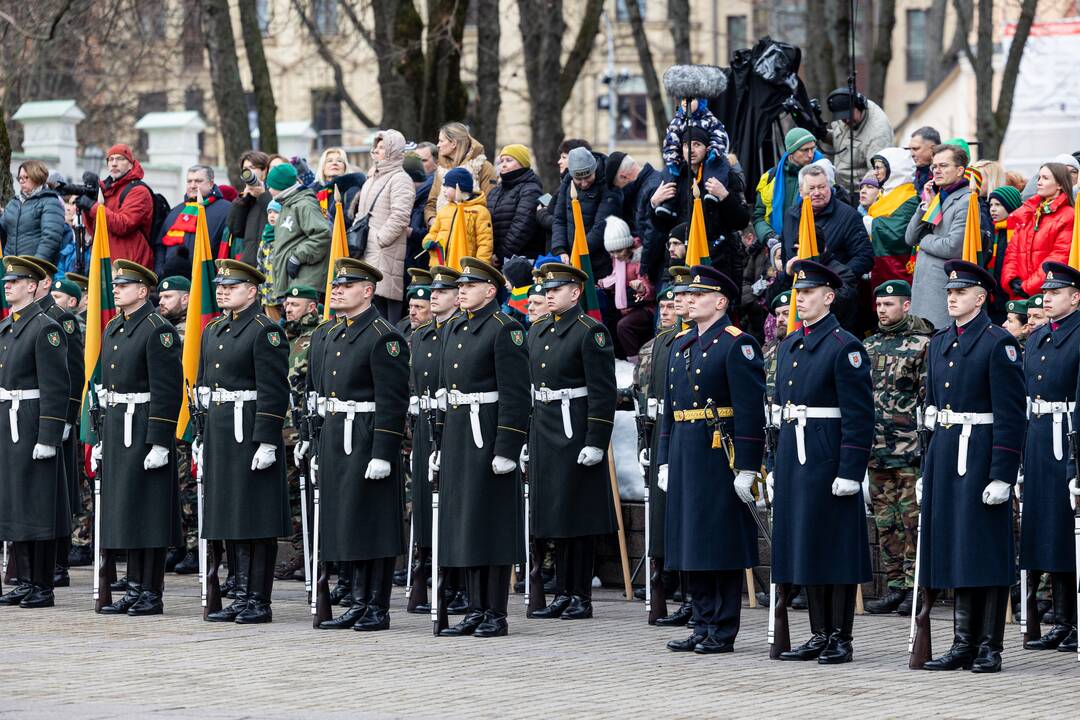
(69, 326)
(274, 338)
(855, 358)
(393, 348)
(53, 338)
(166, 339)
(748, 352)
(517, 336)
(601, 339)
(1010, 351)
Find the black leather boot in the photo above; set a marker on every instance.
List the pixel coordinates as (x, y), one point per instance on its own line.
(42, 564)
(907, 603)
(231, 585)
(20, 564)
(494, 625)
(686, 645)
(992, 637)
(580, 608)
(153, 586)
(260, 584)
(887, 603)
(842, 618)
(380, 585)
(240, 559)
(557, 607)
(679, 618)
(1057, 635)
(189, 564)
(962, 652)
(173, 558)
(358, 582)
(61, 578)
(459, 605)
(80, 556)
(1068, 606)
(467, 626)
(343, 588)
(121, 605)
(800, 600)
(818, 612)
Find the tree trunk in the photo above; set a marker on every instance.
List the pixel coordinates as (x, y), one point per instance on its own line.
(6, 187)
(937, 63)
(840, 28)
(444, 96)
(883, 52)
(648, 70)
(581, 49)
(542, 28)
(225, 80)
(818, 56)
(679, 17)
(265, 107)
(990, 143)
(488, 94)
(398, 46)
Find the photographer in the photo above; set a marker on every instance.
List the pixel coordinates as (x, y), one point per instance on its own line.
(178, 230)
(34, 218)
(247, 216)
(129, 208)
(301, 235)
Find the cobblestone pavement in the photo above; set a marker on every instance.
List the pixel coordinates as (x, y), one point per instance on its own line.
(69, 662)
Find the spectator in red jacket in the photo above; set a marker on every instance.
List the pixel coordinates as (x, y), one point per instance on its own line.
(1043, 231)
(129, 208)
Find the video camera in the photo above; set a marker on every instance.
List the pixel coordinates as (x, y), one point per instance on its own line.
(88, 188)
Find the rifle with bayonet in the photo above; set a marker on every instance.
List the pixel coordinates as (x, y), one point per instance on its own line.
(297, 403)
(655, 594)
(919, 645)
(210, 590)
(534, 547)
(1074, 448)
(439, 615)
(415, 584)
(102, 589)
(779, 629)
(320, 571)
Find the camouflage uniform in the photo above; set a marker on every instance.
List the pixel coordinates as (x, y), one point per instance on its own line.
(299, 336)
(898, 364)
(768, 355)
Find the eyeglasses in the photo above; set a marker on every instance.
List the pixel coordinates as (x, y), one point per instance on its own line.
(943, 166)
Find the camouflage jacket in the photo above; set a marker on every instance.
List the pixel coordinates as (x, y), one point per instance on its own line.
(299, 335)
(898, 364)
(768, 357)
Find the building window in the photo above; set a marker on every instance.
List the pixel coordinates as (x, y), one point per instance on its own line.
(325, 16)
(151, 17)
(632, 120)
(193, 100)
(621, 15)
(191, 37)
(148, 103)
(915, 54)
(736, 33)
(262, 13)
(326, 116)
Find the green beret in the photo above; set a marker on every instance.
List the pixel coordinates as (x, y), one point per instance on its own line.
(418, 292)
(69, 288)
(893, 288)
(303, 291)
(1035, 301)
(1016, 306)
(175, 282)
(783, 298)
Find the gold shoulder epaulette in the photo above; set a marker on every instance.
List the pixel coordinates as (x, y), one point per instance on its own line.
(682, 333)
(733, 331)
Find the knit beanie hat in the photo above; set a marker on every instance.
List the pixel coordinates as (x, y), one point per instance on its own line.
(121, 149)
(281, 177)
(695, 133)
(580, 162)
(414, 166)
(519, 153)
(1008, 196)
(273, 206)
(459, 177)
(797, 137)
(617, 234)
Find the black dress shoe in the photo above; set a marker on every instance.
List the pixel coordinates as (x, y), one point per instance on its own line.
(836, 652)
(467, 626)
(1042, 608)
(80, 556)
(557, 607)
(549, 585)
(580, 609)
(1069, 643)
(16, 594)
(339, 593)
(228, 613)
(494, 625)
(61, 577)
(124, 603)
(400, 576)
(959, 657)
(639, 593)
(149, 604)
(799, 602)
(375, 619)
(174, 556)
(459, 605)
(1050, 640)
(713, 645)
(904, 608)
(686, 645)
(188, 565)
(421, 609)
(256, 612)
(809, 650)
(987, 661)
(120, 585)
(228, 588)
(762, 598)
(679, 618)
(39, 598)
(887, 603)
(345, 620)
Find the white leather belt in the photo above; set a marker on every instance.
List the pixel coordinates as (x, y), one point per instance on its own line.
(564, 396)
(1038, 407)
(237, 398)
(652, 408)
(350, 408)
(129, 401)
(799, 414)
(474, 401)
(15, 397)
(966, 420)
(423, 402)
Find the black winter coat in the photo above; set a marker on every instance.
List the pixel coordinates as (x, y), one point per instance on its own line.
(512, 204)
(247, 218)
(597, 202)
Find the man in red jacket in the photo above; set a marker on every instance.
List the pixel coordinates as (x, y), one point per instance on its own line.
(129, 208)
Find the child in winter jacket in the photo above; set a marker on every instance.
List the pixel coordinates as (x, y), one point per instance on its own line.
(628, 290)
(462, 228)
(266, 252)
(700, 116)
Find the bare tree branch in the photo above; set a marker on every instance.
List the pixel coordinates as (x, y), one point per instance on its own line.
(265, 106)
(582, 48)
(648, 70)
(679, 17)
(10, 20)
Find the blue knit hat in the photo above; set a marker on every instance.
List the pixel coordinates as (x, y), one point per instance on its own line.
(460, 178)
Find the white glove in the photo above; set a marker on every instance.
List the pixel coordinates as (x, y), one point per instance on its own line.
(643, 459)
(44, 452)
(866, 490)
(770, 485)
(156, 458)
(523, 458)
(196, 452)
(501, 465)
(414, 405)
(67, 432)
(95, 458)
(299, 452)
(661, 477)
(377, 469)
(264, 457)
(744, 481)
(996, 492)
(589, 456)
(842, 487)
(1074, 492)
(918, 491)
(434, 459)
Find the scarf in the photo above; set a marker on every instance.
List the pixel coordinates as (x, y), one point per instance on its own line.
(1048, 207)
(888, 203)
(324, 199)
(897, 327)
(776, 218)
(185, 222)
(934, 209)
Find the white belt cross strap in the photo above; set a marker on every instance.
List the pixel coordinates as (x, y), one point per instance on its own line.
(564, 396)
(15, 397)
(799, 414)
(947, 418)
(422, 402)
(129, 401)
(1038, 407)
(474, 401)
(237, 398)
(350, 408)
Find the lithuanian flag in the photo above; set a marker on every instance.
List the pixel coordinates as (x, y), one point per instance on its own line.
(972, 224)
(1074, 246)
(202, 308)
(339, 248)
(891, 213)
(808, 250)
(697, 241)
(99, 311)
(519, 299)
(579, 257)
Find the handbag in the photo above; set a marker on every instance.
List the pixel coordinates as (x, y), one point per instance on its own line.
(357, 236)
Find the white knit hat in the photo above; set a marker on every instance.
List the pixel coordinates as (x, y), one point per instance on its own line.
(617, 234)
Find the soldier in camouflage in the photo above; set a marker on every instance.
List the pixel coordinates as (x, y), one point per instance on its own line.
(780, 306)
(898, 365)
(1016, 316)
(301, 319)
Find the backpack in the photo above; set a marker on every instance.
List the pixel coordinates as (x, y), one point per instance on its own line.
(161, 208)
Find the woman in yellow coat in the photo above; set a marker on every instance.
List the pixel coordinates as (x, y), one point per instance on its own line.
(462, 227)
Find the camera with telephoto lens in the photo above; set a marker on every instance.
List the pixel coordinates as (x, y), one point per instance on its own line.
(89, 187)
(250, 178)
